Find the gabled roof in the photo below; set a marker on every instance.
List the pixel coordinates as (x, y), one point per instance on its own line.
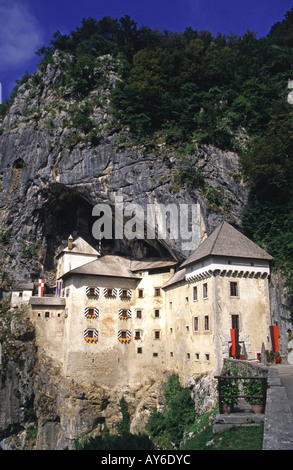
(80, 246)
(152, 263)
(108, 265)
(178, 277)
(225, 240)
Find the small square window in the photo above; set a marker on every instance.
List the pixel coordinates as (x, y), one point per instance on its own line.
(139, 350)
(197, 356)
(187, 328)
(186, 300)
(138, 313)
(155, 354)
(207, 357)
(137, 335)
(157, 292)
(157, 334)
(157, 313)
(140, 293)
(47, 314)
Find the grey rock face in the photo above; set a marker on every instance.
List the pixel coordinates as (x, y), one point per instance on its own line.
(51, 176)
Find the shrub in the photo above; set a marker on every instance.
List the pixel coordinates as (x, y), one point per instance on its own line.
(168, 428)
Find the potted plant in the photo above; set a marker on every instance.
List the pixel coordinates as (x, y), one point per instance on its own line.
(253, 388)
(229, 392)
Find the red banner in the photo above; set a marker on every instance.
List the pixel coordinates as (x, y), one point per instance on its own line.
(274, 330)
(235, 342)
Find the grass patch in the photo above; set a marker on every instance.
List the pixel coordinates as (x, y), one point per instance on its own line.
(236, 438)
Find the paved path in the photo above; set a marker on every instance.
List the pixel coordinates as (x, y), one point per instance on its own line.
(278, 429)
(286, 376)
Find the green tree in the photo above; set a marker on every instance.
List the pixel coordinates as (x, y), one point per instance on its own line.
(168, 427)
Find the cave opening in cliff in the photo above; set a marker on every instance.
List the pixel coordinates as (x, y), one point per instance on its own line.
(67, 212)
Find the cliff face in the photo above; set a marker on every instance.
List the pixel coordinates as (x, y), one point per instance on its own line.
(52, 173)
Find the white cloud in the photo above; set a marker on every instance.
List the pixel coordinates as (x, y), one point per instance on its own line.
(20, 34)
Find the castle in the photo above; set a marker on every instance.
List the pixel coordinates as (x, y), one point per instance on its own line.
(115, 321)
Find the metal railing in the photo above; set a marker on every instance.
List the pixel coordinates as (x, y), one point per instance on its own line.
(226, 376)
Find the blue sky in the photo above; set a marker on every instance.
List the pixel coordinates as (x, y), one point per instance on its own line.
(26, 25)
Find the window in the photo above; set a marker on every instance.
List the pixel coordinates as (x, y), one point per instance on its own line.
(207, 357)
(124, 294)
(195, 324)
(205, 290)
(235, 321)
(197, 356)
(157, 335)
(47, 314)
(186, 300)
(206, 323)
(91, 312)
(187, 328)
(157, 313)
(140, 293)
(91, 335)
(137, 335)
(234, 289)
(92, 292)
(171, 354)
(124, 336)
(123, 314)
(157, 292)
(188, 355)
(110, 293)
(194, 293)
(155, 354)
(139, 350)
(138, 313)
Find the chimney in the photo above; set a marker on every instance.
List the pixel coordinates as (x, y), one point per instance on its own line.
(70, 242)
